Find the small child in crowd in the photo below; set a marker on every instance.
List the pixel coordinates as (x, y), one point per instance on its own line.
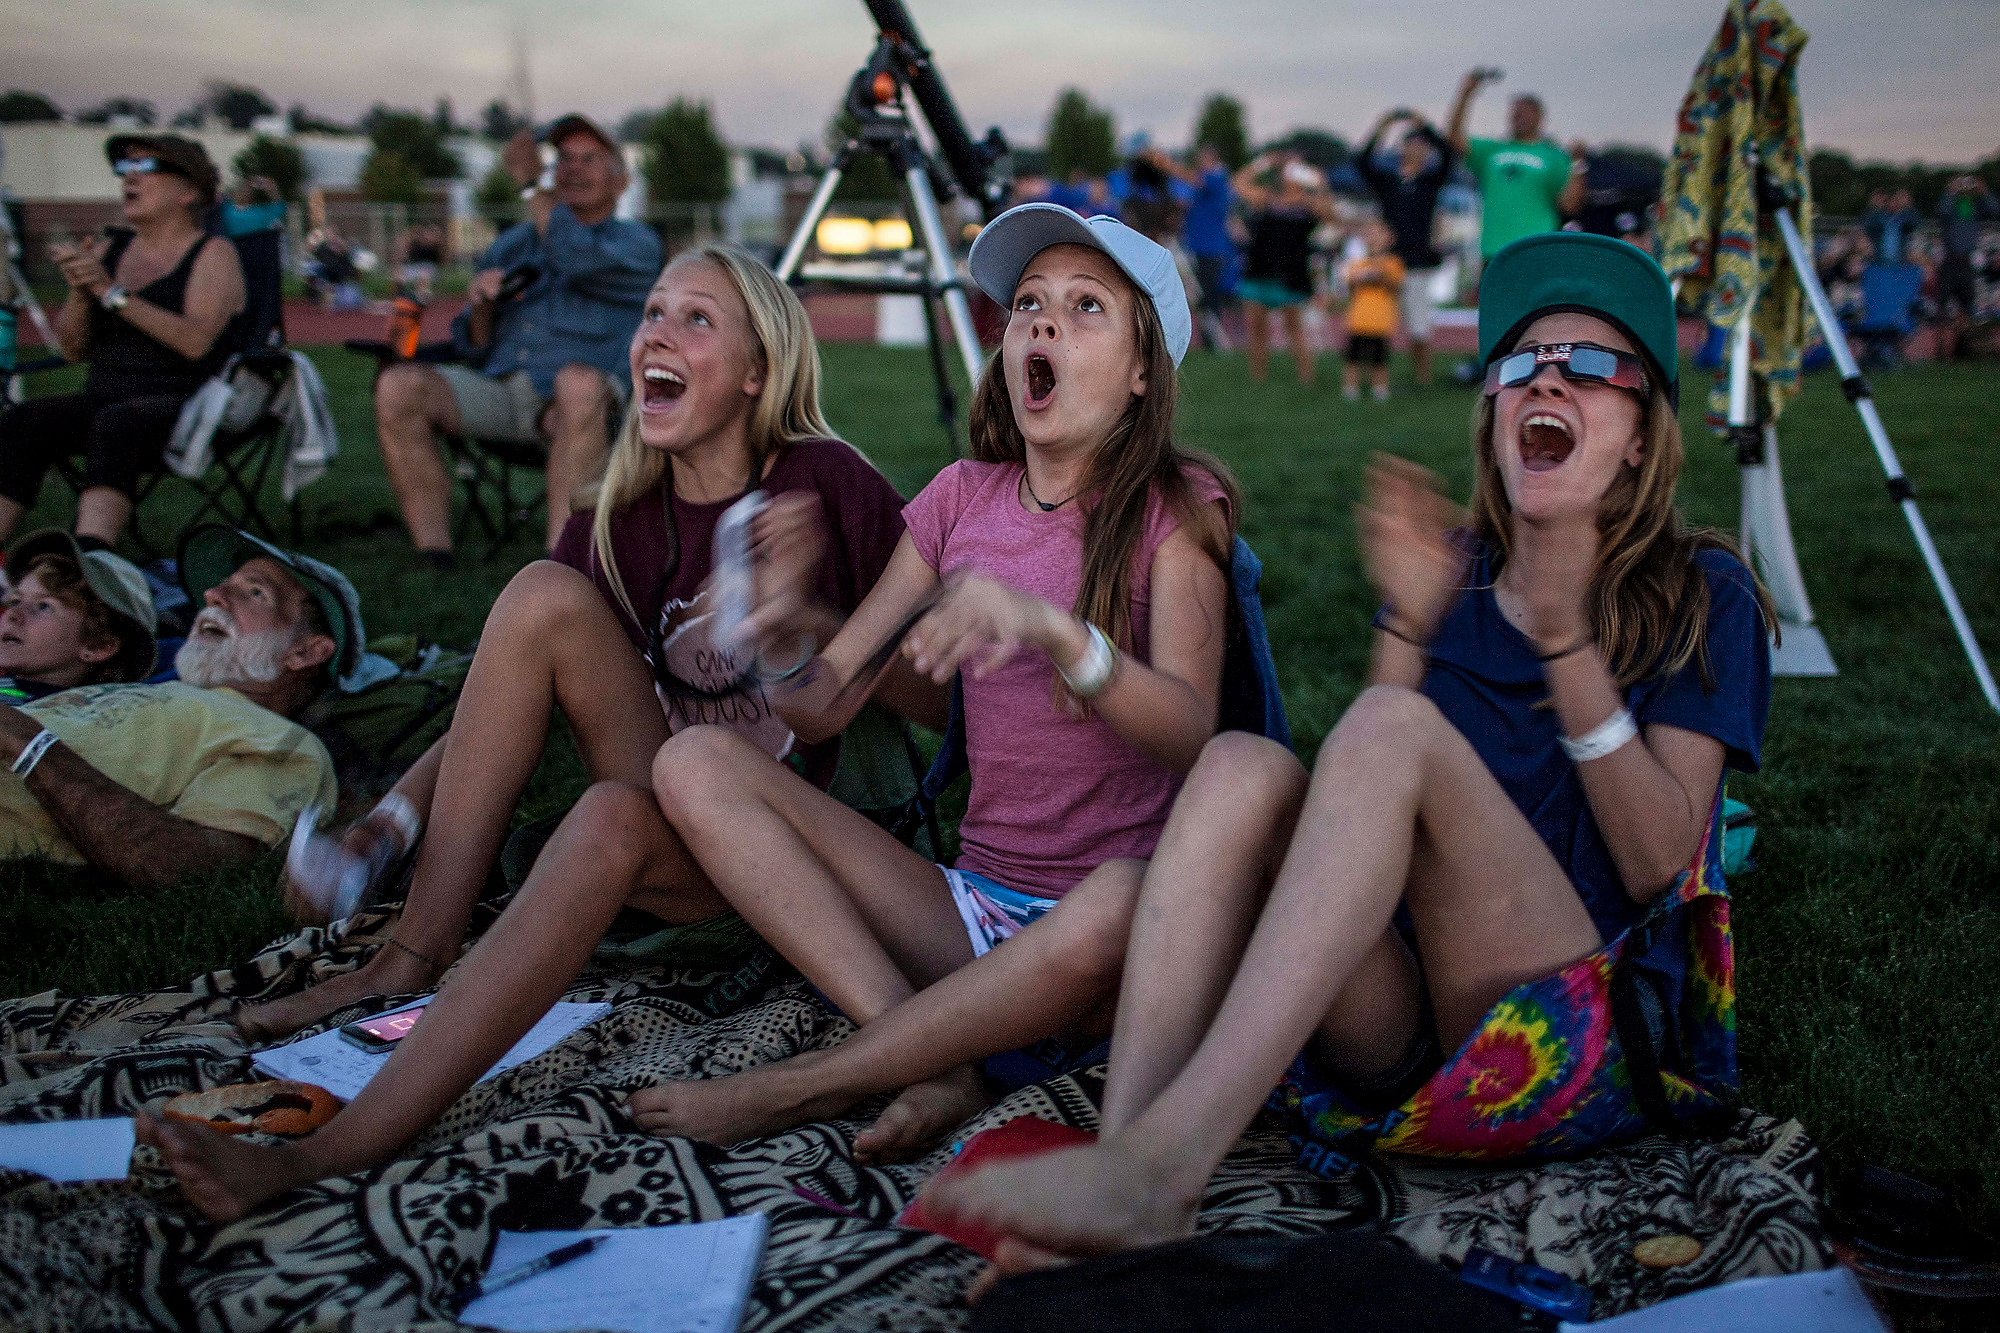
(1374, 282)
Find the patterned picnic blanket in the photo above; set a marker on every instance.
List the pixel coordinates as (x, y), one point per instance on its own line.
(548, 1145)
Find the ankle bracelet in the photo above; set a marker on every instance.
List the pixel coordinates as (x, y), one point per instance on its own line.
(432, 963)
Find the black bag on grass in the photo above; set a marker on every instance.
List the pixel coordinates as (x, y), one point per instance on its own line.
(375, 734)
(1344, 1282)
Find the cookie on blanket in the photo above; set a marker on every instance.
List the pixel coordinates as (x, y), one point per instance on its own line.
(1667, 1251)
(275, 1106)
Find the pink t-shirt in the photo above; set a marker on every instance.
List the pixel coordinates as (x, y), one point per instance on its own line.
(1053, 797)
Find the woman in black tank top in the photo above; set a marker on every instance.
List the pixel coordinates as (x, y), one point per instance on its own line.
(1278, 268)
(156, 309)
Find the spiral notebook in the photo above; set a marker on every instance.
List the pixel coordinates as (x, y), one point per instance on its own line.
(682, 1279)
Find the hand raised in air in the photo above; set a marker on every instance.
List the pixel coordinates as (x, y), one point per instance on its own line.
(1404, 527)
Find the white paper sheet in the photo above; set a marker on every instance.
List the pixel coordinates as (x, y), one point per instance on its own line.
(1831, 1301)
(69, 1149)
(343, 1069)
(684, 1279)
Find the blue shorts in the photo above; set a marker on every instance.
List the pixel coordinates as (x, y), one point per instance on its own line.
(993, 912)
(990, 910)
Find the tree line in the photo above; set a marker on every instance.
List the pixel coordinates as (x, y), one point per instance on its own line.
(686, 159)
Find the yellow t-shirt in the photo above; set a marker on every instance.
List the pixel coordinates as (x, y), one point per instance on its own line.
(1374, 282)
(209, 756)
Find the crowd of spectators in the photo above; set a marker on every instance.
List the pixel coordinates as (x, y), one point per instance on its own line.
(152, 769)
(1893, 270)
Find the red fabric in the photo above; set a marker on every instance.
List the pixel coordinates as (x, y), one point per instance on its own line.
(1023, 1136)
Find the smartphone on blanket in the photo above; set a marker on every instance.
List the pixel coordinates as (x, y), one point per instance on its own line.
(379, 1035)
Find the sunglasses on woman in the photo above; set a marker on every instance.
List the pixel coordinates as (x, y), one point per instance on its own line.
(135, 166)
(1577, 361)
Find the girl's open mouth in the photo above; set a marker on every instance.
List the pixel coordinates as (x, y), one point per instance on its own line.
(1041, 376)
(660, 386)
(1546, 442)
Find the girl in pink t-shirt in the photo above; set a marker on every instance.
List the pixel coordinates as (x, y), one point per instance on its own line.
(1073, 573)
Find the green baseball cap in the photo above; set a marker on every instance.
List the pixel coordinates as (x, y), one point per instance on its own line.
(211, 554)
(114, 580)
(1597, 275)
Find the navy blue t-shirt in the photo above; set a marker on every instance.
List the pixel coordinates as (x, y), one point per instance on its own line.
(1484, 677)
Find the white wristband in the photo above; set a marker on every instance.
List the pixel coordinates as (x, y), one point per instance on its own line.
(31, 753)
(1093, 673)
(1602, 739)
(398, 810)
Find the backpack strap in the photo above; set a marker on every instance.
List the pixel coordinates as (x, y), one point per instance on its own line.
(949, 765)
(1628, 1017)
(1635, 1037)
(951, 762)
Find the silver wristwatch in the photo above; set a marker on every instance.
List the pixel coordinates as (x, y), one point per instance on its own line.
(114, 298)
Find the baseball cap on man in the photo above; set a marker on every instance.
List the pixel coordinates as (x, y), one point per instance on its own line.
(176, 156)
(1556, 271)
(211, 554)
(115, 581)
(1006, 245)
(575, 124)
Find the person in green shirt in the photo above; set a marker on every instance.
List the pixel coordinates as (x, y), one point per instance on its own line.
(1521, 177)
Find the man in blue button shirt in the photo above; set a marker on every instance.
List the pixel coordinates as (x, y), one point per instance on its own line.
(548, 365)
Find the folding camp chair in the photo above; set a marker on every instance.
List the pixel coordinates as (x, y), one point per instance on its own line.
(246, 448)
(486, 467)
(1889, 295)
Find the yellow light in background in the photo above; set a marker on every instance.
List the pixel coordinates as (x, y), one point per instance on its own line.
(845, 236)
(892, 234)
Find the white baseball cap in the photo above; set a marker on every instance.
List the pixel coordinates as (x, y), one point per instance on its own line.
(1006, 245)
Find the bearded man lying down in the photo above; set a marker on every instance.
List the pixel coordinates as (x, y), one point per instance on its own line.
(152, 783)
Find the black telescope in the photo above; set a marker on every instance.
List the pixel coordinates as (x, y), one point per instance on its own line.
(971, 162)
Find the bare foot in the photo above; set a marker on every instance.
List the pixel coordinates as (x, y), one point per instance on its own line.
(1013, 1256)
(1077, 1201)
(752, 1105)
(220, 1175)
(924, 1113)
(389, 972)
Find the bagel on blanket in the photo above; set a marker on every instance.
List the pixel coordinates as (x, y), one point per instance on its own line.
(275, 1106)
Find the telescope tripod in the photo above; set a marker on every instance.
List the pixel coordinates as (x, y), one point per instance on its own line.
(1766, 529)
(876, 100)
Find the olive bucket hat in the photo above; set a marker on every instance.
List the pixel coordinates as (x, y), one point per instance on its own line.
(1595, 275)
(114, 580)
(211, 554)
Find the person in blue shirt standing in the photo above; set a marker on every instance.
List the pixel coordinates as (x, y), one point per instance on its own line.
(1205, 236)
(547, 365)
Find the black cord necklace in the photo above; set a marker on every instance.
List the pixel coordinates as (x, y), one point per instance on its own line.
(1046, 507)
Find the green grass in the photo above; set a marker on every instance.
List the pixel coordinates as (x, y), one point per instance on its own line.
(1867, 938)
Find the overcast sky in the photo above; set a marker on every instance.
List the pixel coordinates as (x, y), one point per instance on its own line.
(1897, 79)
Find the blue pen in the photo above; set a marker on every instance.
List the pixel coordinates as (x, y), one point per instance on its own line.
(553, 1259)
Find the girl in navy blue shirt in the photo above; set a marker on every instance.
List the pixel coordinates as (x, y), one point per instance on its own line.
(1558, 683)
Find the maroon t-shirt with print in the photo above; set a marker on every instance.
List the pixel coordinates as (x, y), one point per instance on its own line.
(860, 523)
